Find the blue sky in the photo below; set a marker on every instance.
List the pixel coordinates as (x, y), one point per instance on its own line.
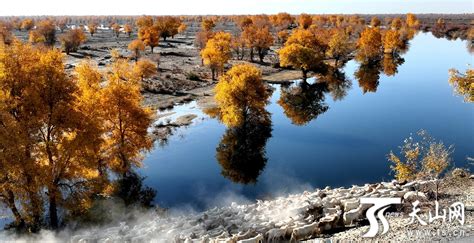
(189, 7)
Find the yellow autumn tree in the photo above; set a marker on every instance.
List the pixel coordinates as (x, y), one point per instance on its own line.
(116, 29)
(182, 28)
(421, 157)
(369, 46)
(217, 52)
(92, 27)
(58, 135)
(72, 40)
(282, 21)
(257, 39)
(125, 119)
(240, 94)
(412, 21)
(145, 68)
(339, 46)
(375, 22)
(304, 21)
(167, 26)
(149, 35)
(20, 183)
(27, 24)
(45, 32)
(136, 46)
(392, 41)
(303, 51)
(397, 23)
(6, 36)
(128, 29)
(208, 24)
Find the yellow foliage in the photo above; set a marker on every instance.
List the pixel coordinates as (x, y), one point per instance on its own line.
(208, 24)
(45, 32)
(116, 28)
(339, 45)
(463, 84)
(27, 24)
(167, 26)
(150, 36)
(72, 40)
(217, 52)
(375, 22)
(182, 28)
(302, 51)
(145, 68)
(304, 21)
(136, 46)
(240, 94)
(369, 45)
(92, 27)
(63, 133)
(412, 21)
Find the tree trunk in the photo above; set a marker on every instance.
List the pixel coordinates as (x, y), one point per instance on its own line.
(261, 56)
(305, 74)
(213, 73)
(151, 49)
(251, 54)
(11, 204)
(53, 210)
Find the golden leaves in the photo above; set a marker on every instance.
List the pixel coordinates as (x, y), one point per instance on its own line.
(369, 45)
(66, 130)
(241, 93)
(217, 51)
(463, 84)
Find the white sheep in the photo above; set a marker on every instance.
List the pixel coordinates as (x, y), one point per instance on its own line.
(304, 231)
(256, 239)
(275, 234)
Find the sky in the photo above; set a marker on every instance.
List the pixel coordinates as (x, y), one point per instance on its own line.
(229, 7)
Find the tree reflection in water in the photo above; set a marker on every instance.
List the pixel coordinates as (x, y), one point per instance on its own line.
(391, 63)
(303, 102)
(368, 76)
(241, 151)
(337, 83)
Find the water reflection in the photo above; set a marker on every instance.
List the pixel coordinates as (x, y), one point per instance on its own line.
(337, 82)
(391, 64)
(368, 76)
(324, 151)
(303, 102)
(241, 151)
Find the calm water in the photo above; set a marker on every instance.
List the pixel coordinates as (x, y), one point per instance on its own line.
(347, 144)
